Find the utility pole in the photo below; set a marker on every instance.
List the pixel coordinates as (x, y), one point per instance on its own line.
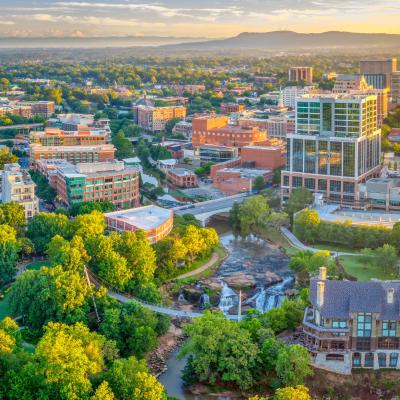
(91, 293)
(240, 306)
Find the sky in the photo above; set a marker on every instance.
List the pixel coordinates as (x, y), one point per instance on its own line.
(193, 18)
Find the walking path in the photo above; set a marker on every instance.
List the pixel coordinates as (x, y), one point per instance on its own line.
(301, 246)
(173, 312)
(206, 266)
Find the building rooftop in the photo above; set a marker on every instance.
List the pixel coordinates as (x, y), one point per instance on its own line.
(182, 172)
(344, 297)
(262, 147)
(37, 146)
(246, 172)
(146, 218)
(59, 132)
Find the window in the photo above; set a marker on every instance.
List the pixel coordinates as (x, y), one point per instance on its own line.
(297, 181)
(388, 343)
(369, 360)
(382, 360)
(364, 324)
(363, 344)
(322, 185)
(339, 323)
(393, 360)
(356, 360)
(388, 328)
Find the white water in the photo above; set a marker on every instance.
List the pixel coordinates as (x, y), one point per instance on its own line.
(228, 299)
(271, 297)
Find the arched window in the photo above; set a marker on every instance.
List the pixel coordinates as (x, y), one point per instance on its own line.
(382, 360)
(393, 360)
(369, 360)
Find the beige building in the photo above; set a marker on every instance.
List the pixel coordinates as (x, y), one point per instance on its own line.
(17, 186)
(298, 74)
(154, 119)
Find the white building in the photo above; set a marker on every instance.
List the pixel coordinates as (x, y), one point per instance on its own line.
(17, 186)
(291, 93)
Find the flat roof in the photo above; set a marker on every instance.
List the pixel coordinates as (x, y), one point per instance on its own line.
(182, 172)
(146, 218)
(262, 147)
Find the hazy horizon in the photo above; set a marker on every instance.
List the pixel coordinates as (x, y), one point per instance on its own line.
(190, 19)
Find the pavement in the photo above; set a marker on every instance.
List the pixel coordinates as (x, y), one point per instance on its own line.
(292, 239)
(211, 206)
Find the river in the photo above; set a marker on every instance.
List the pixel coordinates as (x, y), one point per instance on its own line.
(251, 256)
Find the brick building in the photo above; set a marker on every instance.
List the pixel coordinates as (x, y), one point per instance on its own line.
(228, 108)
(153, 119)
(40, 108)
(212, 129)
(182, 178)
(301, 74)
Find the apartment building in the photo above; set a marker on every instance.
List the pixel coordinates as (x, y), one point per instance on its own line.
(301, 74)
(280, 126)
(228, 108)
(153, 119)
(182, 178)
(58, 137)
(22, 111)
(73, 154)
(17, 186)
(214, 130)
(353, 324)
(43, 109)
(111, 181)
(336, 146)
(183, 128)
(155, 221)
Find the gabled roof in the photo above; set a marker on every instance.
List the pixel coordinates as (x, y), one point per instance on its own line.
(344, 297)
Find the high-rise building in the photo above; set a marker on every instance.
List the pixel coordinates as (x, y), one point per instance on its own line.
(301, 74)
(291, 93)
(336, 146)
(378, 72)
(17, 186)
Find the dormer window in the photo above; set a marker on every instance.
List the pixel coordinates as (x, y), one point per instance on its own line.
(389, 328)
(339, 323)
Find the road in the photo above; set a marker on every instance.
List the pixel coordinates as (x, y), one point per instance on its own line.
(211, 206)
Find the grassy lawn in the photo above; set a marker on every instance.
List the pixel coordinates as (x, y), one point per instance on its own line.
(37, 265)
(5, 306)
(334, 247)
(276, 237)
(363, 271)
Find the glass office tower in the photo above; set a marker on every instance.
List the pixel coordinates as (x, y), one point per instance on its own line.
(335, 147)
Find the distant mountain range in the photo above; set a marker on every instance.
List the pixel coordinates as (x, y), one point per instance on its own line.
(266, 41)
(288, 40)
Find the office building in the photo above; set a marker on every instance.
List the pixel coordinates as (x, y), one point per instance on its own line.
(378, 72)
(58, 137)
(18, 187)
(352, 324)
(73, 154)
(301, 74)
(346, 82)
(110, 181)
(183, 128)
(214, 130)
(155, 221)
(280, 126)
(336, 146)
(216, 154)
(291, 93)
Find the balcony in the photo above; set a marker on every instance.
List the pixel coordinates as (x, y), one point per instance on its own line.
(322, 332)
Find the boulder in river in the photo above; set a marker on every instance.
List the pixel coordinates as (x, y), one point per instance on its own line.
(240, 281)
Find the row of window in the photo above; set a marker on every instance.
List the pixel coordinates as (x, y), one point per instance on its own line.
(382, 360)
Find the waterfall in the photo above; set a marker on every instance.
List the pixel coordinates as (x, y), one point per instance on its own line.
(228, 299)
(204, 300)
(181, 297)
(265, 299)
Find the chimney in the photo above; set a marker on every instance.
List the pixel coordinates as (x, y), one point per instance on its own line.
(390, 296)
(322, 274)
(320, 293)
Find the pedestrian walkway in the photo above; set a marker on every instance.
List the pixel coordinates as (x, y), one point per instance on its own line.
(292, 239)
